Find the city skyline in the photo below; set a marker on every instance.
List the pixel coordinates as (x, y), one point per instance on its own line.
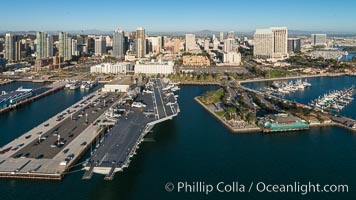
(199, 15)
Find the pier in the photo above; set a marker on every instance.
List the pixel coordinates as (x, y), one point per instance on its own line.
(41, 92)
(5, 82)
(51, 149)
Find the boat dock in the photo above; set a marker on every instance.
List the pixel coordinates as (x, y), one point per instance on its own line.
(336, 119)
(50, 150)
(5, 82)
(38, 93)
(123, 139)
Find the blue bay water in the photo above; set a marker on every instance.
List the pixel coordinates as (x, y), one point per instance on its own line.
(196, 147)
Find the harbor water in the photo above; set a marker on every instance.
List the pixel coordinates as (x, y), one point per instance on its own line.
(195, 147)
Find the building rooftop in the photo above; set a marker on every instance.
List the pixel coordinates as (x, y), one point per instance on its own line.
(283, 118)
(121, 81)
(263, 31)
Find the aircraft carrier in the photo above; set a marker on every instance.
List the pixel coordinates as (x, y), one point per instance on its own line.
(134, 116)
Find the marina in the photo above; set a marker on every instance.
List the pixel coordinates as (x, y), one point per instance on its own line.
(335, 100)
(155, 162)
(286, 87)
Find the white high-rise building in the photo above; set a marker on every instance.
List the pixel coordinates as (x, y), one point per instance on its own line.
(190, 43)
(318, 39)
(280, 42)
(207, 44)
(221, 36)
(263, 43)
(271, 43)
(75, 47)
(108, 41)
(118, 44)
(156, 43)
(100, 45)
(229, 44)
(65, 46)
(216, 44)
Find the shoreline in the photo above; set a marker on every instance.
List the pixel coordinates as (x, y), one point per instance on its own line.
(292, 77)
(234, 130)
(6, 82)
(199, 83)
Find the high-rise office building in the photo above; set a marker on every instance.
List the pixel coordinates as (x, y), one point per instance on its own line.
(318, 39)
(11, 47)
(229, 45)
(231, 34)
(100, 45)
(49, 45)
(216, 43)
(156, 44)
(44, 47)
(293, 44)
(75, 47)
(65, 46)
(176, 48)
(206, 44)
(263, 43)
(280, 42)
(190, 43)
(221, 36)
(271, 43)
(118, 44)
(90, 44)
(140, 43)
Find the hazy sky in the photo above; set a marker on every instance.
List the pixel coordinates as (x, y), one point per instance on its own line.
(179, 15)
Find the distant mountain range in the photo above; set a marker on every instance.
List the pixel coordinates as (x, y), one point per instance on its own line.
(180, 33)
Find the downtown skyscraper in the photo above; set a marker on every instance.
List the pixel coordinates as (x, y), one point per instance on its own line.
(271, 43)
(65, 46)
(280, 35)
(44, 47)
(118, 44)
(100, 45)
(190, 43)
(12, 47)
(140, 43)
